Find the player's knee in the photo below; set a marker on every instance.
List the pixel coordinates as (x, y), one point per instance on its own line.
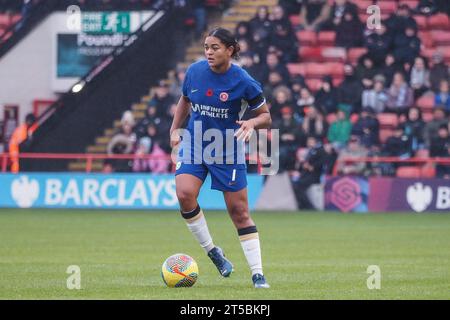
(240, 214)
(185, 196)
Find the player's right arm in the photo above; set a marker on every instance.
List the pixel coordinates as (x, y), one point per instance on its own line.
(181, 113)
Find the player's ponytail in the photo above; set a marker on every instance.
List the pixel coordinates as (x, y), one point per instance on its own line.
(228, 39)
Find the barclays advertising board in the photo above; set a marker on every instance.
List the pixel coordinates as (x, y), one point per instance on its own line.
(117, 191)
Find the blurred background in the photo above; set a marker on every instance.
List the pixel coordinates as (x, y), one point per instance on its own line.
(88, 90)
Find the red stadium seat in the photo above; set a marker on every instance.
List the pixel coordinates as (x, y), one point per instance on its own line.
(363, 5)
(334, 54)
(316, 70)
(354, 54)
(409, 172)
(439, 21)
(310, 54)
(5, 20)
(426, 38)
(412, 4)
(428, 171)
(440, 38)
(425, 102)
(326, 38)
(336, 69)
(422, 22)
(387, 120)
(306, 38)
(385, 134)
(296, 68)
(387, 7)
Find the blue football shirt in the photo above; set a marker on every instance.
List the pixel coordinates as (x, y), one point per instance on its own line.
(218, 100)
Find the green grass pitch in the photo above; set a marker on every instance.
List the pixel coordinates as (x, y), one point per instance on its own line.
(305, 255)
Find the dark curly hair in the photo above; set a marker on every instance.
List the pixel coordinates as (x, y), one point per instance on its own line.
(227, 38)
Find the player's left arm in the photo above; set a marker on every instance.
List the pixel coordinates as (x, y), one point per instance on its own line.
(261, 120)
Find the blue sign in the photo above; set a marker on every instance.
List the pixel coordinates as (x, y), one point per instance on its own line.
(117, 191)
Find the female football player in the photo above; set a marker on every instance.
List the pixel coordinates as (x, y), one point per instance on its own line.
(216, 93)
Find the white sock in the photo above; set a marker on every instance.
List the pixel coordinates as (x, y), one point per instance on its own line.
(196, 223)
(252, 250)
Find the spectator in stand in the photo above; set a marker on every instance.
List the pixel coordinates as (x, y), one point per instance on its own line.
(297, 83)
(365, 71)
(141, 163)
(291, 138)
(123, 143)
(399, 20)
(326, 97)
(275, 80)
(432, 127)
(378, 43)
(259, 45)
(339, 131)
(291, 7)
(349, 31)
(162, 100)
(273, 64)
(178, 78)
(199, 12)
(400, 96)
(282, 96)
(354, 150)
(248, 64)
(376, 97)
(407, 45)
(314, 13)
(243, 31)
(337, 11)
(426, 7)
(350, 90)
(414, 127)
(278, 16)
(389, 68)
(285, 42)
(439, 71)
(314, 124)
(419, 77)
(310, 172)
(305, 102)
(440, 147)
(367, 128)
(442, 97)
(399, 144)
(261, 22)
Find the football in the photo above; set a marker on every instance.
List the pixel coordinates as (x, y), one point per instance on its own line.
(179, 270)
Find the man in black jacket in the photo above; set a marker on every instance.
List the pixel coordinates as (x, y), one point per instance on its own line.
(310, 172)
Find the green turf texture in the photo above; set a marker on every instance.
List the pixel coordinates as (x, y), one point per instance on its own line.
(305, 255)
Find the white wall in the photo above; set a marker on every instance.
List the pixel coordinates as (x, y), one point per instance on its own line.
(25, 71)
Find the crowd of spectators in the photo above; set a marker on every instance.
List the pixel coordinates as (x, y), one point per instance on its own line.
(335, 120)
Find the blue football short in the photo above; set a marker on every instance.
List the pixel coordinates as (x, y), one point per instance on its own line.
(224, 177)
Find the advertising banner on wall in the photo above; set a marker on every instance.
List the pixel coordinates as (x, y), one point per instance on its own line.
(101, 191)
(419, 195)
(346, 194)
(83, 39)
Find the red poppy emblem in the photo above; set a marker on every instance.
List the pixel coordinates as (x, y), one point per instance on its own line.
(223, 96)
(209, 93)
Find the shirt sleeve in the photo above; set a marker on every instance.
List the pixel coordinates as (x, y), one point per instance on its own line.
(187, 82)
(254, 95)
